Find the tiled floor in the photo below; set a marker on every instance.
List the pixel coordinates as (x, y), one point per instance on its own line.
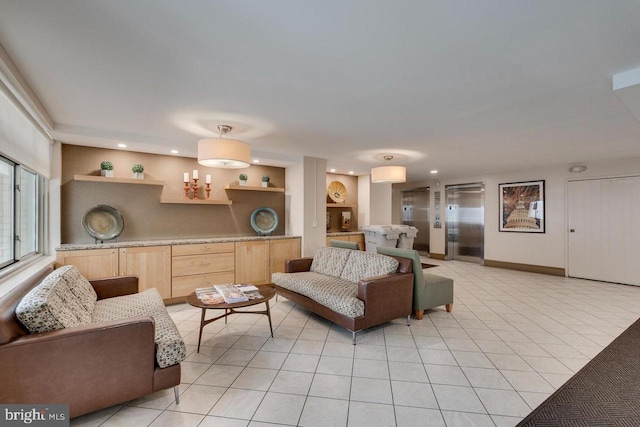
(511, 340)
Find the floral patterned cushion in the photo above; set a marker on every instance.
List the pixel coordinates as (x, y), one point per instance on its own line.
(329, 260)
(170, 348)
(79, 286)
(334, 293)
(51, 305)
(366, 264)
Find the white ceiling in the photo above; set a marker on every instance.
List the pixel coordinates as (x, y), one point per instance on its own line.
(460, 86)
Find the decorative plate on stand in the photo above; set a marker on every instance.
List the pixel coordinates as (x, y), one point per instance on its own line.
(337, 192)
(103, 222)
(264, 221)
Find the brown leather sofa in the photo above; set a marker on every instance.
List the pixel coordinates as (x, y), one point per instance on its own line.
(386, 297)
(89, 367)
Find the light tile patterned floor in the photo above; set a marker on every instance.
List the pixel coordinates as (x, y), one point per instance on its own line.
(511, 340)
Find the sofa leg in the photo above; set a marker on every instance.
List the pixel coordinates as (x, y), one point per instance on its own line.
(176, 393)
(419, 314)
(408, 320)
(449, 307)
(354, 337)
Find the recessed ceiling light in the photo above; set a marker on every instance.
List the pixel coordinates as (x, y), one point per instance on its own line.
(256, 160)
(122, 145)
(332, 170)
(174, 151)
(350, 172)
(434, 171)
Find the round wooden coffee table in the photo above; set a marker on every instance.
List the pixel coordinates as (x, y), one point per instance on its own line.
(266, 291)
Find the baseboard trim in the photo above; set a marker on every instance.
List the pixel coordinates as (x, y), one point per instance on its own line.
(437, 256)
(553, 271)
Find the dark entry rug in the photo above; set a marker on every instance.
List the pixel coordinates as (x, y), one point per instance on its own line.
(425, 265)
(605, 392)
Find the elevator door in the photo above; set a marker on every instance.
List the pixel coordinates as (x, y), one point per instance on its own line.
(415, 212)
(465, 222)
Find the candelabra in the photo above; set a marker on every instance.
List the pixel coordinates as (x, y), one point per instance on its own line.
(208, 190)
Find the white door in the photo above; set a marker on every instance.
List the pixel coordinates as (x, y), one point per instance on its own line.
(604, 229)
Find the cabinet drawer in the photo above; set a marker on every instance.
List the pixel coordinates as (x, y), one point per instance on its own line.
(203, 248)
(202, 264)
(183, 286)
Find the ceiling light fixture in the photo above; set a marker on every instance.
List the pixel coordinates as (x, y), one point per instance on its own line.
(174, 151)
(122, 145)
(434, 171)
(577, 168)
(256, 160)
(392, 174)
(350, 172)
(223, 152)
(332, 170)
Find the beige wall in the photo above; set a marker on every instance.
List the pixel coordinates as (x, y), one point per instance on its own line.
(144, 216)
(351, 184)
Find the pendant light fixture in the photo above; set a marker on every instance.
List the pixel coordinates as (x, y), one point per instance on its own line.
(392, 174)
(224, 152)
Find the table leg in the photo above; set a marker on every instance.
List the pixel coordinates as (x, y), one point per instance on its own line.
(269, 316)
(204, 310)
(225, 316)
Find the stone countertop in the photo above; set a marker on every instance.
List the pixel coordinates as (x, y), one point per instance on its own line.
(166, 242)
(344, 233)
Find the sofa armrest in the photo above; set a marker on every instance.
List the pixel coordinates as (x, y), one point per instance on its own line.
(115, 286)
(386, 297)
(107, 362)
(297, 265)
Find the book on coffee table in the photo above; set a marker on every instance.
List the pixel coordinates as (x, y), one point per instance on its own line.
(231, 294)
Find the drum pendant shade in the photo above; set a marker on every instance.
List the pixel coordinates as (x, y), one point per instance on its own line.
(224, 152)
(393, 174)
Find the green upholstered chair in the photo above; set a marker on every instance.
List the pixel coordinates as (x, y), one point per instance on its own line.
(429, 290)
(344, 244)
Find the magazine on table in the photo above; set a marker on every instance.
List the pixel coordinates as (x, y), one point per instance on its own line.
(250, 291)
(231, 294)
(209, 295)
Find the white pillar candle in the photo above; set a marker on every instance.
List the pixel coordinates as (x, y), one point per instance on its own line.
(207, 179)
(186, 177)
(195, 174)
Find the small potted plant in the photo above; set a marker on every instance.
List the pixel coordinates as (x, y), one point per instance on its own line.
(243, 179)
(106, 169)
(265, 180)
(138, 171)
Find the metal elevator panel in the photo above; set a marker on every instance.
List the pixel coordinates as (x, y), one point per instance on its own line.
(415, 212)
(465, 222)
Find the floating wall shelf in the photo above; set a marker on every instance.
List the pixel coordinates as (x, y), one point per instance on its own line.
(341, 205)
(196, 202)
(249, 188)
(94, 178)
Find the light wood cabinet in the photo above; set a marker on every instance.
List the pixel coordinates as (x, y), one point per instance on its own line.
(280, 251)
(152, 265)
(178, 270)
(92, 263)
(252, 262)
(201, 265)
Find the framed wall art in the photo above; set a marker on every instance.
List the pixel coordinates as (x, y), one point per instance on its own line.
(522, 207)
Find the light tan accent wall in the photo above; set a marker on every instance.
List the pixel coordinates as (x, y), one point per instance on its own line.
(145, 218)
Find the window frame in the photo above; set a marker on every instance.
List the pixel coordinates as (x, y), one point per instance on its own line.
(41, 201)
